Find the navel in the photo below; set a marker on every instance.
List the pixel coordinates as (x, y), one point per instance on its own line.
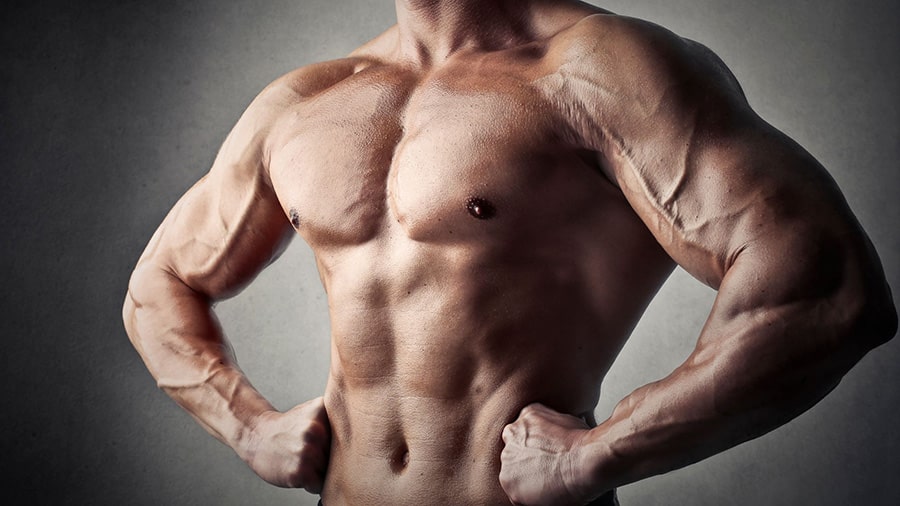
(480, 208)
(400, 459)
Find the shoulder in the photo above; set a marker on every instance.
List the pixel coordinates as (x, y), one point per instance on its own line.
(634, 56)
(310, 80)
(306, 82)
(278, 100)
(247, 148)
(624, 41)
(628, 79)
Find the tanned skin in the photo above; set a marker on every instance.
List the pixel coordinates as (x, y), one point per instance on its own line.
(494, 191)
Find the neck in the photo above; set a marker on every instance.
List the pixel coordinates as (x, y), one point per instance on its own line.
(432, 30)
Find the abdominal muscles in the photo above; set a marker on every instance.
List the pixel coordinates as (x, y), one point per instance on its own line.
(423, 383)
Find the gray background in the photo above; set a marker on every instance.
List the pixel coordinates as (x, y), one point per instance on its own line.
(111, 110)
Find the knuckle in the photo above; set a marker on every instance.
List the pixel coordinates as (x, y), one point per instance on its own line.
(309, 477)
(515, 432)
(305, 453)
(532, 411)
(315, 433)
(295, 478)
(311, 435)
(506, 480)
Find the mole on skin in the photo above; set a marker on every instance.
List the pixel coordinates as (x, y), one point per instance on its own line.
(480, 208)
(295, 218)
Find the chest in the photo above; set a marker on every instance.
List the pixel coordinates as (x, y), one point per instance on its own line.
(438, 161)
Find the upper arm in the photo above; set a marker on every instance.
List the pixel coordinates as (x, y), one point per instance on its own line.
(717, 186)
(229, 225)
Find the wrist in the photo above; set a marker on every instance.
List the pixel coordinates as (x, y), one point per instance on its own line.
(589, 467)
(249, 436)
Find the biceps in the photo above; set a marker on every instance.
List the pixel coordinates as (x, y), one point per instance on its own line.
(728, 191)
(221, 234)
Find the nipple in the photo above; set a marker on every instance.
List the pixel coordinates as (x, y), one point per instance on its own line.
(295, 218)
(480, 208)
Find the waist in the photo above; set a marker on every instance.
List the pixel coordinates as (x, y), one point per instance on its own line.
(389, 447)
(608, 499)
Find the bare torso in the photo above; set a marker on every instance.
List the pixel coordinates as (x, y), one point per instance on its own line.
(493, 191)
(476, 260)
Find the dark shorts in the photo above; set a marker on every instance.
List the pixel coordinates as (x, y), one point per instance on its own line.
(607, 499)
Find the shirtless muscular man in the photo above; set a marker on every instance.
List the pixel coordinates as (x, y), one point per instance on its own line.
(494, 191)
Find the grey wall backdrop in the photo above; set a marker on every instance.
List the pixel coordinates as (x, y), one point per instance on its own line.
(110, 110)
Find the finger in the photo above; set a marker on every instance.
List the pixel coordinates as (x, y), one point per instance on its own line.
(531, 408)
(505, 480)
(321, 412)
(312, 457)
(508, 434)
(312, 480)
(311, 469)
(316, 434)
(320, 480)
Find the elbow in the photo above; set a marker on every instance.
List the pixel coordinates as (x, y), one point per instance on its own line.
(149, 287)
(873, 321)
(878, 321)
(132, 304)
(128, 314)
(861, 301)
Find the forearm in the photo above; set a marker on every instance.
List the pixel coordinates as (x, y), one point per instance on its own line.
(684, 418)
(753, 369)
(177, 335)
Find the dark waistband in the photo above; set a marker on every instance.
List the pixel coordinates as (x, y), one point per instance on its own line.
(607, 499)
